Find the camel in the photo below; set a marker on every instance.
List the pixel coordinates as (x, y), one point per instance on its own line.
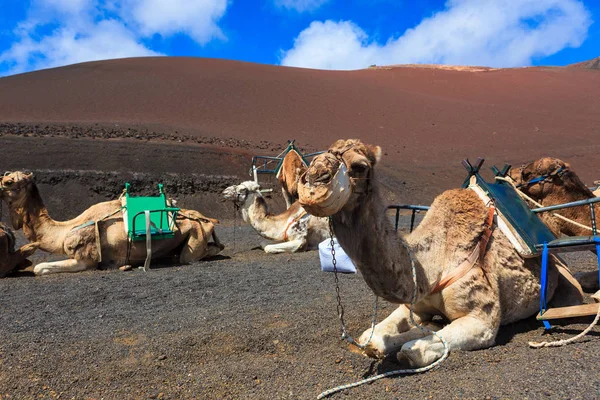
(596, 191)
(550, 181)
(10, 259)
(87, 243)
(497, 288)
(292, 167)
(297, 230)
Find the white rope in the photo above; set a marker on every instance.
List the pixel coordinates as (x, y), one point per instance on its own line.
(563, 342)
(523, 195)
(400, 371)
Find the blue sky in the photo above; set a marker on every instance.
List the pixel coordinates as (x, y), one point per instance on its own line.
(327, 34)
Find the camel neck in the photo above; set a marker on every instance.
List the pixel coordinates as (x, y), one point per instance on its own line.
(38, 226)
(367, 236)
(578, 214)
(257, 214)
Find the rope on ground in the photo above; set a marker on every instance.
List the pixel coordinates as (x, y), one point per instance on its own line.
(563, 342)
(399, 371)
(523, 195)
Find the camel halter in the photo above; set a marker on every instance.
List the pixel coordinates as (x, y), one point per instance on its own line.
(412, 320)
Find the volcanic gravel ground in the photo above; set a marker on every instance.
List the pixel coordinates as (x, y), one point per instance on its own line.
(247, 325)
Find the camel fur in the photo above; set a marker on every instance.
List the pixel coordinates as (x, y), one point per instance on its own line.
(80, 242)
(560, 187)
(500, 289)
(292, 167)
(294, 228)
(10, 259)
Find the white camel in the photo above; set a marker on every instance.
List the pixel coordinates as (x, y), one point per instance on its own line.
(295, 229)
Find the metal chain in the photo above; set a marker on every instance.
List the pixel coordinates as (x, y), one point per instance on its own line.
(340, 308)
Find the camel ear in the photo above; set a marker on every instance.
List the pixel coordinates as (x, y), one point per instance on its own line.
(376, 153)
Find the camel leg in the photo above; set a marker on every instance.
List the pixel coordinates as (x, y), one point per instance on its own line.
(465, 333)
(588, 280)
(197, 247)
(20, 256)
(286, 247)
(391, 333)
(69, 265)
(216, 241)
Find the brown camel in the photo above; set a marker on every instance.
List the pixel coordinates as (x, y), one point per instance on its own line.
(10, 259)
(551, 181)
(292, 167)
(497, 288)
(87, 244)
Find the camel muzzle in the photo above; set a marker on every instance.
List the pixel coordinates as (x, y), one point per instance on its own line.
(325, 187)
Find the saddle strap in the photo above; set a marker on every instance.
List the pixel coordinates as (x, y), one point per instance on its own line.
(478, 253)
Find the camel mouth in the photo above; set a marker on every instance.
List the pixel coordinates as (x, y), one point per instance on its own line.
(324, 188)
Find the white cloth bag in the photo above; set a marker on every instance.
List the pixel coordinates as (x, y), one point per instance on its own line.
(343, 263)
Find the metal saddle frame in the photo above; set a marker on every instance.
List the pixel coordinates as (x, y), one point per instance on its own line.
(538, 238)
(148, 218)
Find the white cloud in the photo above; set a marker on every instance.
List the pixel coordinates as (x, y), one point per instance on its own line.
(300, 5)
(498, 33)
(105, 40)
(60, 32)
(196, 18)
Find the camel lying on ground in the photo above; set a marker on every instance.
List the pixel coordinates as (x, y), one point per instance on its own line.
(10, 259)
(550, 181)
(297, 230)
(77, 238)
(498, 287)
(292, 167)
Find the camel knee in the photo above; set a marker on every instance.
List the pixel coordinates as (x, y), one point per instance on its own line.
(588, 280)
(214, 249)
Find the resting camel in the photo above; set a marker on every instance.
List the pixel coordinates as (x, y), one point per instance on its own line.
(9, 258)
(292, 167)
(550, 181)
(497, 288)
(297, 230)
(77, 237)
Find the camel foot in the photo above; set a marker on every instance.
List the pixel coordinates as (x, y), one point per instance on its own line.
(127, 267)
(386, 343)
(420, 353)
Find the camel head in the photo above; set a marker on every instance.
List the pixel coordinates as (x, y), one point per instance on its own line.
(338, 178)
(239, 194)
(534, 179)
(13, 189)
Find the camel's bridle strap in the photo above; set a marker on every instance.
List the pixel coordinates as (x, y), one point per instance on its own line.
(478, 253)
(339, 155)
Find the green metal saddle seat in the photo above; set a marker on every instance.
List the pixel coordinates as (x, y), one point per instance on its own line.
(148, 214)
